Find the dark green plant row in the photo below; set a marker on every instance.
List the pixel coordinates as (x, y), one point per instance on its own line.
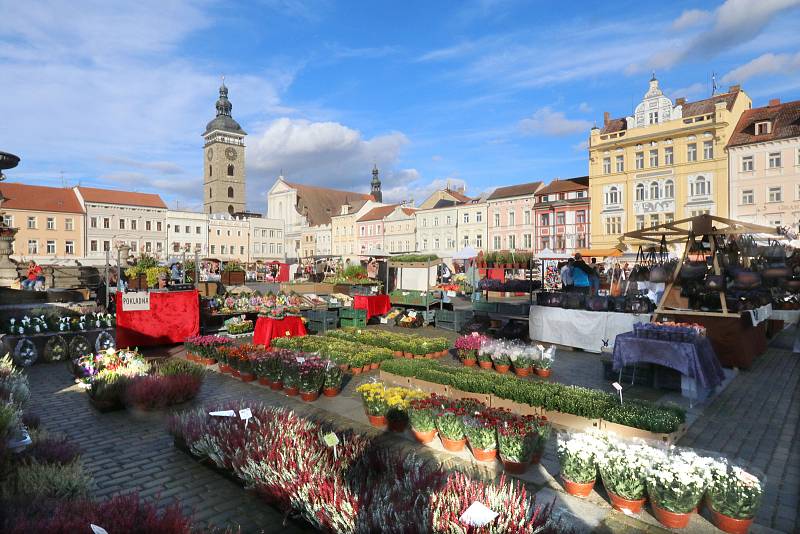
(553, 396)
(414, 258)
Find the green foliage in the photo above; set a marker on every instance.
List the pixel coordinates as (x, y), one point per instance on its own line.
(52, 481)
(450, 425)
(179, 366)
(233, 266)
(338, 350)
(354, 271)
(109, 386)
(414, 258)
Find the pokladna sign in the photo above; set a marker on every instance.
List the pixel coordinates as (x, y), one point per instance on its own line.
(136, 301)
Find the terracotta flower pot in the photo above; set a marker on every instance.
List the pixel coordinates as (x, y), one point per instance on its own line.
(247, 377)
(309, 396)
(397, 425)
(291, 391)
(728, 524)
(356, 370)
(236, 373)
(544, 373)
(632, 506)
(408, 355)
(578, 489)
(344, 366)
(484, 455)
(225, 368)
(374, 366)
(670, 519)
(276, 385)
(397, 353)
(366, 368)
(330, 392)
(264, 381)
(453, 445)
(191, 357)
(522, 371)
(469, 363)
(502, 369)
(515, 468)
(424, 437)
(378, 421)
(444, 353)
(485, 365)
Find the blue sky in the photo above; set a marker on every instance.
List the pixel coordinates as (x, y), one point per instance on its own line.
(485, 93)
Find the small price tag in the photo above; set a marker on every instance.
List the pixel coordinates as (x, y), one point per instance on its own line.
(245, 414)
(223, 413)
(334, 301)
(618, 387)
(97, 530)
(300, 359)
(288, 334)
(412, 314)
(451, 293)
(330, 439)
(477, 515)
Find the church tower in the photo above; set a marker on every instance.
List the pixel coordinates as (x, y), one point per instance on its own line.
(376, 185)
(223, 172)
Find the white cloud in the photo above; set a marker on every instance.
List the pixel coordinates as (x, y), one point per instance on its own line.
(584, 107)
(581, 147)
(691, 18)
(765, 64)
(545, 121)
(691, 91)
(411, 186)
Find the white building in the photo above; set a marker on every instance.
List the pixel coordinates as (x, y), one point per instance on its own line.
(472, 225)
(437, 230)
(187, 232)
(266, 239)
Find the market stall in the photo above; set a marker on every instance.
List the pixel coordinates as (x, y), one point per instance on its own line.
(268, 328)
(148, 318)
(415, 278)
(551, 276)
(374, 304)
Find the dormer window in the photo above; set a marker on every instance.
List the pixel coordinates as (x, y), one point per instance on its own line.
(763, 127)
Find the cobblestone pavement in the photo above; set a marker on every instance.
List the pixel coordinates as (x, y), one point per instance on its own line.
(127, 451)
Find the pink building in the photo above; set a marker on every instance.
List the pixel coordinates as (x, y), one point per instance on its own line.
(511, 217)
(370, 230)
(562, 215)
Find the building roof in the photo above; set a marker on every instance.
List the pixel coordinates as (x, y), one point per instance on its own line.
(378, 213)
(224, 121)
(785, 120)
(460, 197)
(125, 198)
(515, 190)
(319, 204)
(39, 198)
(562, 186)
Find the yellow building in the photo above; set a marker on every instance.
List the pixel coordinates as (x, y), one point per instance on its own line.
(664, 163)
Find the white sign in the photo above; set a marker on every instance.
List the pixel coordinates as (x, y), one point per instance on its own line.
(223, 413)
(245, 414)
(451, 293)
(136, 301)
(330, 439)
(97, 530)
(477, 515)
(618, 387)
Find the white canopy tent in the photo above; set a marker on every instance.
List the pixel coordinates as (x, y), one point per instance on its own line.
(466, 253)
(547, 254)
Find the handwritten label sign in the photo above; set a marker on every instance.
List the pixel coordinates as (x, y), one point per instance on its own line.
(330, 439)
(223, 413)
(245, 414)
(136, 301)
(618, 387)
(477, 515)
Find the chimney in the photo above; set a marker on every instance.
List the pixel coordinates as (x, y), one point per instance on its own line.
(734, 88)
(774, 102)
(680, 101)
(606, 118)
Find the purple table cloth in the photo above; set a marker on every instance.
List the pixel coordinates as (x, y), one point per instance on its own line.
(694, 359)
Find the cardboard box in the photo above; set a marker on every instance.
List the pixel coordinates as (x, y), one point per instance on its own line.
(566, 421)
(515, 407)
(393, 379)
(428, 387)
(458, 394)
(630, 432)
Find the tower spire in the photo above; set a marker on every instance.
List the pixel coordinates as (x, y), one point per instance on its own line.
(376, 185)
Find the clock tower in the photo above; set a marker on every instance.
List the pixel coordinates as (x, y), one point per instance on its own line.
(223, 169)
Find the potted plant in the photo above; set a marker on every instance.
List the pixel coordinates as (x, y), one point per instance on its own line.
(245, 367)
(623, 469)
(332, 384)
(485, 358)
(675, 485)
(450, 425)
(540, 432)
(515, 444)
(422, 416)
(467, 348)
(578, 456)
(311, 376)
(543, 366)
(233, 274)
(481, 435)
(502, 362)
(373, 396)
(274, 370)
(290, 376)
(733, 498)
(522, 364)
(107, 391)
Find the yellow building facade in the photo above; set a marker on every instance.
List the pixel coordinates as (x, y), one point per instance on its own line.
(665, 162)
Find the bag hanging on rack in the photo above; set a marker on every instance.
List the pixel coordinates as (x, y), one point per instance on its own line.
(774, 252)
(616, 287)
(694, 270)
(640, 271)
(574, 301)
(659, 273)
(597, 303)
(715, 282)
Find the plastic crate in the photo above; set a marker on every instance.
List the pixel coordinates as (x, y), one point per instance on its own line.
(323, 315)
(353, 313)
(482, 306)
(323, 326)
(354, 323)
(508, 308)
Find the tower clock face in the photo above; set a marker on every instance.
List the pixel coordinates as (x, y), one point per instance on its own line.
(210, 153)
(230, 153)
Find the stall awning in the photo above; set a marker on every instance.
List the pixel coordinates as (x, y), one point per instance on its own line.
(599, 252)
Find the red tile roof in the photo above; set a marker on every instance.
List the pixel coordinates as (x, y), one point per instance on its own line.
(378, 213)
(516, 190)
(562, 186)
(409, 211)
(457, 195)
(39, 198)
(319, 204)
(785, 119)
(126, 198)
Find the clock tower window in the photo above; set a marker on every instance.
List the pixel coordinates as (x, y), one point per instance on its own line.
(210, 170)
(230, 170)
(230, 192)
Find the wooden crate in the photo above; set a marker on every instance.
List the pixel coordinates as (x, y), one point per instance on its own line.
(515, 407)
(567, 421)
(630, 432)
(458, 394)
(393, 379)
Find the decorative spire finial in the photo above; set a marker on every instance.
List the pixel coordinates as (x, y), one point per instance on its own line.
(653, 78)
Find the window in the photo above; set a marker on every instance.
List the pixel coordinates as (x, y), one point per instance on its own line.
(640, 222)
(449, 220)
(748, 197)
(613, 225)
(436, 221)
(241, 250)
(107, 246)
(51, 247)
(497, 218)
(526, 241)
(436, 243)
(700, 187)
(93, 222)
(230, 170)
(177, 229)
(213, 249)
(545, 242)
(580, 194)
(669, 217)
(612, 197)
(775, 194)
(512, 215)
(708, 149)
(158, 226)
(606, 165)
(580, 217)
(93, 245)
(122, 224)
(640, 193)
(654, 158)
(669, 189)
(466, 240)
(466, 217)
(230, 192)
(479, 240)
(654, 219)
(640, 160)
(134, 246)
(51, 223)
(424, 222)
(560, 218)
(33, 246)
(774, 160)
(497, 242)
(668, 159)
(763, 128)
(691, 152)
(654, 191)
(620, 163)
(652, 117)
(8, 220)
(133, 224)
(478, 216)
(527, 216)
(147, 225)
(223, 249)
(210, 173)
(187, 229)
(747, 163)
(197, 230)
(545, 219)
(512, 242)
(106, 223)
(424, 244)
(31, 223)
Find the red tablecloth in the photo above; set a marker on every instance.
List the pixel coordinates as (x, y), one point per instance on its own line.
(268, 329)
(173, 316)
(374, 304)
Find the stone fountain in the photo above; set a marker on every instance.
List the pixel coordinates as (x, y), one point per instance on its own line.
(8, 269)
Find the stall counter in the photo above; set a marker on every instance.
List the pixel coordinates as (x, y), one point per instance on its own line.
(171, 318)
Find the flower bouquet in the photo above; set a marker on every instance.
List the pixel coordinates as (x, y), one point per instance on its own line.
(373, 395)
(481, 432)
(675, 485)
(733, 497)
(578, 456)
(623, 468)
(422, 416)
(450, 424)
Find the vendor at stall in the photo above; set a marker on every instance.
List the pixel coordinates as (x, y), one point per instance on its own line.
(566, 275)
(582, 275)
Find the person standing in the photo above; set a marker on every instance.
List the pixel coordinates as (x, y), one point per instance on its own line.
(581, 275)
(566, 275)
